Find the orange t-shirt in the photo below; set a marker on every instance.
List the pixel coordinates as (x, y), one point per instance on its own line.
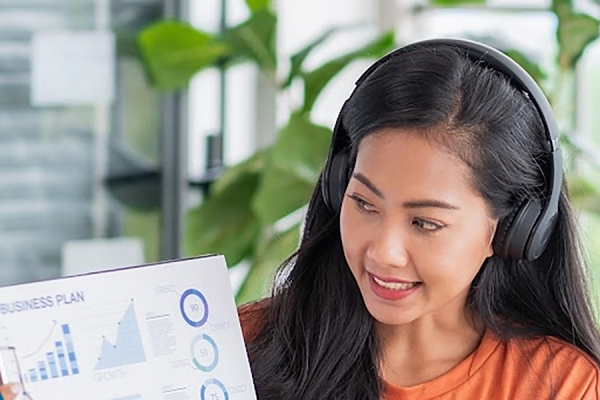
(528, 369)
(512, 369)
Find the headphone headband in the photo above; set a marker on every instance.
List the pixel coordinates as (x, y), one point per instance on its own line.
(530, 236)
(499, 62)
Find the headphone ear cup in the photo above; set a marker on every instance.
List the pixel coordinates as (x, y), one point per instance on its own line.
(337, 182)
(540, 237)
(501, 232)
(514, 232)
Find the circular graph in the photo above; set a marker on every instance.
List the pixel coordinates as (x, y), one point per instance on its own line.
(205, 353)
(213, 389)
(194, 307)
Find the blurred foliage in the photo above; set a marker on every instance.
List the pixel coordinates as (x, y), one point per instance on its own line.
(241, 216)
(456, 2)
(173, 52)
(243, 213)
(574, 33)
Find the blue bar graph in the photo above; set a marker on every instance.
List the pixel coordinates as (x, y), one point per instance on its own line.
(70, 349)
(42, 369)
(33, 375)
(59, 361)
(61, 358)
(52, 364)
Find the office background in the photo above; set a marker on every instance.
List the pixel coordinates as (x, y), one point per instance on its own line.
(100, 169)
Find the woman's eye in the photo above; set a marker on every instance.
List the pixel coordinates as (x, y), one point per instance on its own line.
(428, 226)
(362, 205)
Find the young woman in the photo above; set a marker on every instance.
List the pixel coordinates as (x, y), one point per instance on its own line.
(439, 258)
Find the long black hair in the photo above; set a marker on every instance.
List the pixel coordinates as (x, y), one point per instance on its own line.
(316, 338)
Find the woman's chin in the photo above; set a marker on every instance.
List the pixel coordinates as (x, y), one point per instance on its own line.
(388, 315)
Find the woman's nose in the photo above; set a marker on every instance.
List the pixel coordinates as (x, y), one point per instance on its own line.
(390, 246)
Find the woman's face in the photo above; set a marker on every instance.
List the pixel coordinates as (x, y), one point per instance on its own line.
(414, 230)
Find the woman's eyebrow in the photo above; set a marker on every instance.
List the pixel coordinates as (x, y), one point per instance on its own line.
(428, 203)
(365, 181)
(421, 203)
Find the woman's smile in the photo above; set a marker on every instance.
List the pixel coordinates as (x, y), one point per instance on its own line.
(389, 289)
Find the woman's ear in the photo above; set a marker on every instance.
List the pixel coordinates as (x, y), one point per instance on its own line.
(492, 233)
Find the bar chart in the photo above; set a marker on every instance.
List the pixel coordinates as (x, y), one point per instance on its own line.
(57, 361)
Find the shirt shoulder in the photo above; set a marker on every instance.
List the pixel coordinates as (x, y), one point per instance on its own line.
(564, 369)
(556, 353)
(540, 368)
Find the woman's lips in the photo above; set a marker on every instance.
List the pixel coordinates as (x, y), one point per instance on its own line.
(392, 288)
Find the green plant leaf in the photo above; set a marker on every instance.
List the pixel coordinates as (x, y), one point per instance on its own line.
(575, 32)
(256, 39)
(233, 174)
(225, 223)
(270, 256)
(292, 171)
(316, 80)
(298, 59)
(258, 5)
(455, 2)
(302, 147)
(281, 192)
(174, 52)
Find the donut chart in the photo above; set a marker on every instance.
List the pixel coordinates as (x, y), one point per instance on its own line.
(207, 336)
(194, 308)
(204, 353)
(213, 389)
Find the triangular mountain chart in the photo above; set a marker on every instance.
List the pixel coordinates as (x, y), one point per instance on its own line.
(127, 349)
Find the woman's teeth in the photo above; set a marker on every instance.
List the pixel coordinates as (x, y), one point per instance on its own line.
(395, 285)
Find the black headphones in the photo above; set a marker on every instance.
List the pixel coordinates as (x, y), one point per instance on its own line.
(525, 233)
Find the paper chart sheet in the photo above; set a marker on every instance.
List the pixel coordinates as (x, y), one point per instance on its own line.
(159, 332)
